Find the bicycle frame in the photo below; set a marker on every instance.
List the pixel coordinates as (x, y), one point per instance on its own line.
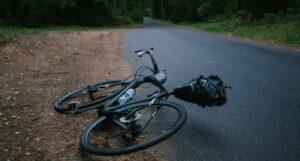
(119, 106)
(110, 109)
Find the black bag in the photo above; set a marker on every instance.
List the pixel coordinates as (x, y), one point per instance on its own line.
(203, 91)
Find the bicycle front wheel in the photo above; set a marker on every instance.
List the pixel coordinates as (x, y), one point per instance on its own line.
(144, 126)
(87, 97)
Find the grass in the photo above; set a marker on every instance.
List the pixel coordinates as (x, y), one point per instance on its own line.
(8, 31)
(278, 33)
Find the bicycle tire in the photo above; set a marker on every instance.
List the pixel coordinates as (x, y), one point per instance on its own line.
(96, 123)
(61, 109)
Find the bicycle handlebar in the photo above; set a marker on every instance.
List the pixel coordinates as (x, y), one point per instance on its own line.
(140, 53)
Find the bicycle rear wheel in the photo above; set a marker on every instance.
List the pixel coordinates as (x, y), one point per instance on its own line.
(144, 126)
(87, 97)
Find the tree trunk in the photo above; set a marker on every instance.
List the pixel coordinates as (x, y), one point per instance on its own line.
(162, 9)
(237, 5)
(125, 7)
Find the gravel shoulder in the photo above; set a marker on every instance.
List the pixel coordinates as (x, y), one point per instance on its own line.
(34, 71)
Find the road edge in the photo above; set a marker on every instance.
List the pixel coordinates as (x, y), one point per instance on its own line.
(247, 39)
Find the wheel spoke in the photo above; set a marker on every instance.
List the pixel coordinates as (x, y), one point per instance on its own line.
(95, 93)
(152, 116)
(134, 131)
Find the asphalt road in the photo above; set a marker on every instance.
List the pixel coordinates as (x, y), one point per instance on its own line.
(261, 120)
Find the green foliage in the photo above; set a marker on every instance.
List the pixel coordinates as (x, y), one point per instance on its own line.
(281, 27)
(244, 11)
(70, 12)
(244, 17)
(281, 16)
(123, 21)
(282, 32)
(43, 11)
(205, 11)
(136, 16)
(271, 17)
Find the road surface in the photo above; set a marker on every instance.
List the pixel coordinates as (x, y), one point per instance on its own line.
(261, 120)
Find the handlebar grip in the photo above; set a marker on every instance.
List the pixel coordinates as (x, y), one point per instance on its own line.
(149, 51)
(138, 51)
(143, 50)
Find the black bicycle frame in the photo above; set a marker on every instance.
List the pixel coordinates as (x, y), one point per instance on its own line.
(111, 109)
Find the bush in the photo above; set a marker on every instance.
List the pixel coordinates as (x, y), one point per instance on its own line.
(281, 17)
(123, 20)
(70, 12)
(244, 17)
(137, 16)
(271, 18)
(148, 12)
(2, 22)
(205, 11)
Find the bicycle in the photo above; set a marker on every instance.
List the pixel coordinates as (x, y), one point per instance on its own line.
(124, 125)
(89, 97)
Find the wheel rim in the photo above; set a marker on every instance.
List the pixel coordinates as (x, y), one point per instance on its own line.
(81, 97)
(109, 137)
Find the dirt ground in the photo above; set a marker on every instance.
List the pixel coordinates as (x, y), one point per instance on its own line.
(34, 71)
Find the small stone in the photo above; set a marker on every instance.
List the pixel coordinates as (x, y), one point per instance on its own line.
(13, 116)
(8, 98)
(51, 113)
(18, 132)
(37, 139)
(5, 150)
(16, 92)
(28, 153)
